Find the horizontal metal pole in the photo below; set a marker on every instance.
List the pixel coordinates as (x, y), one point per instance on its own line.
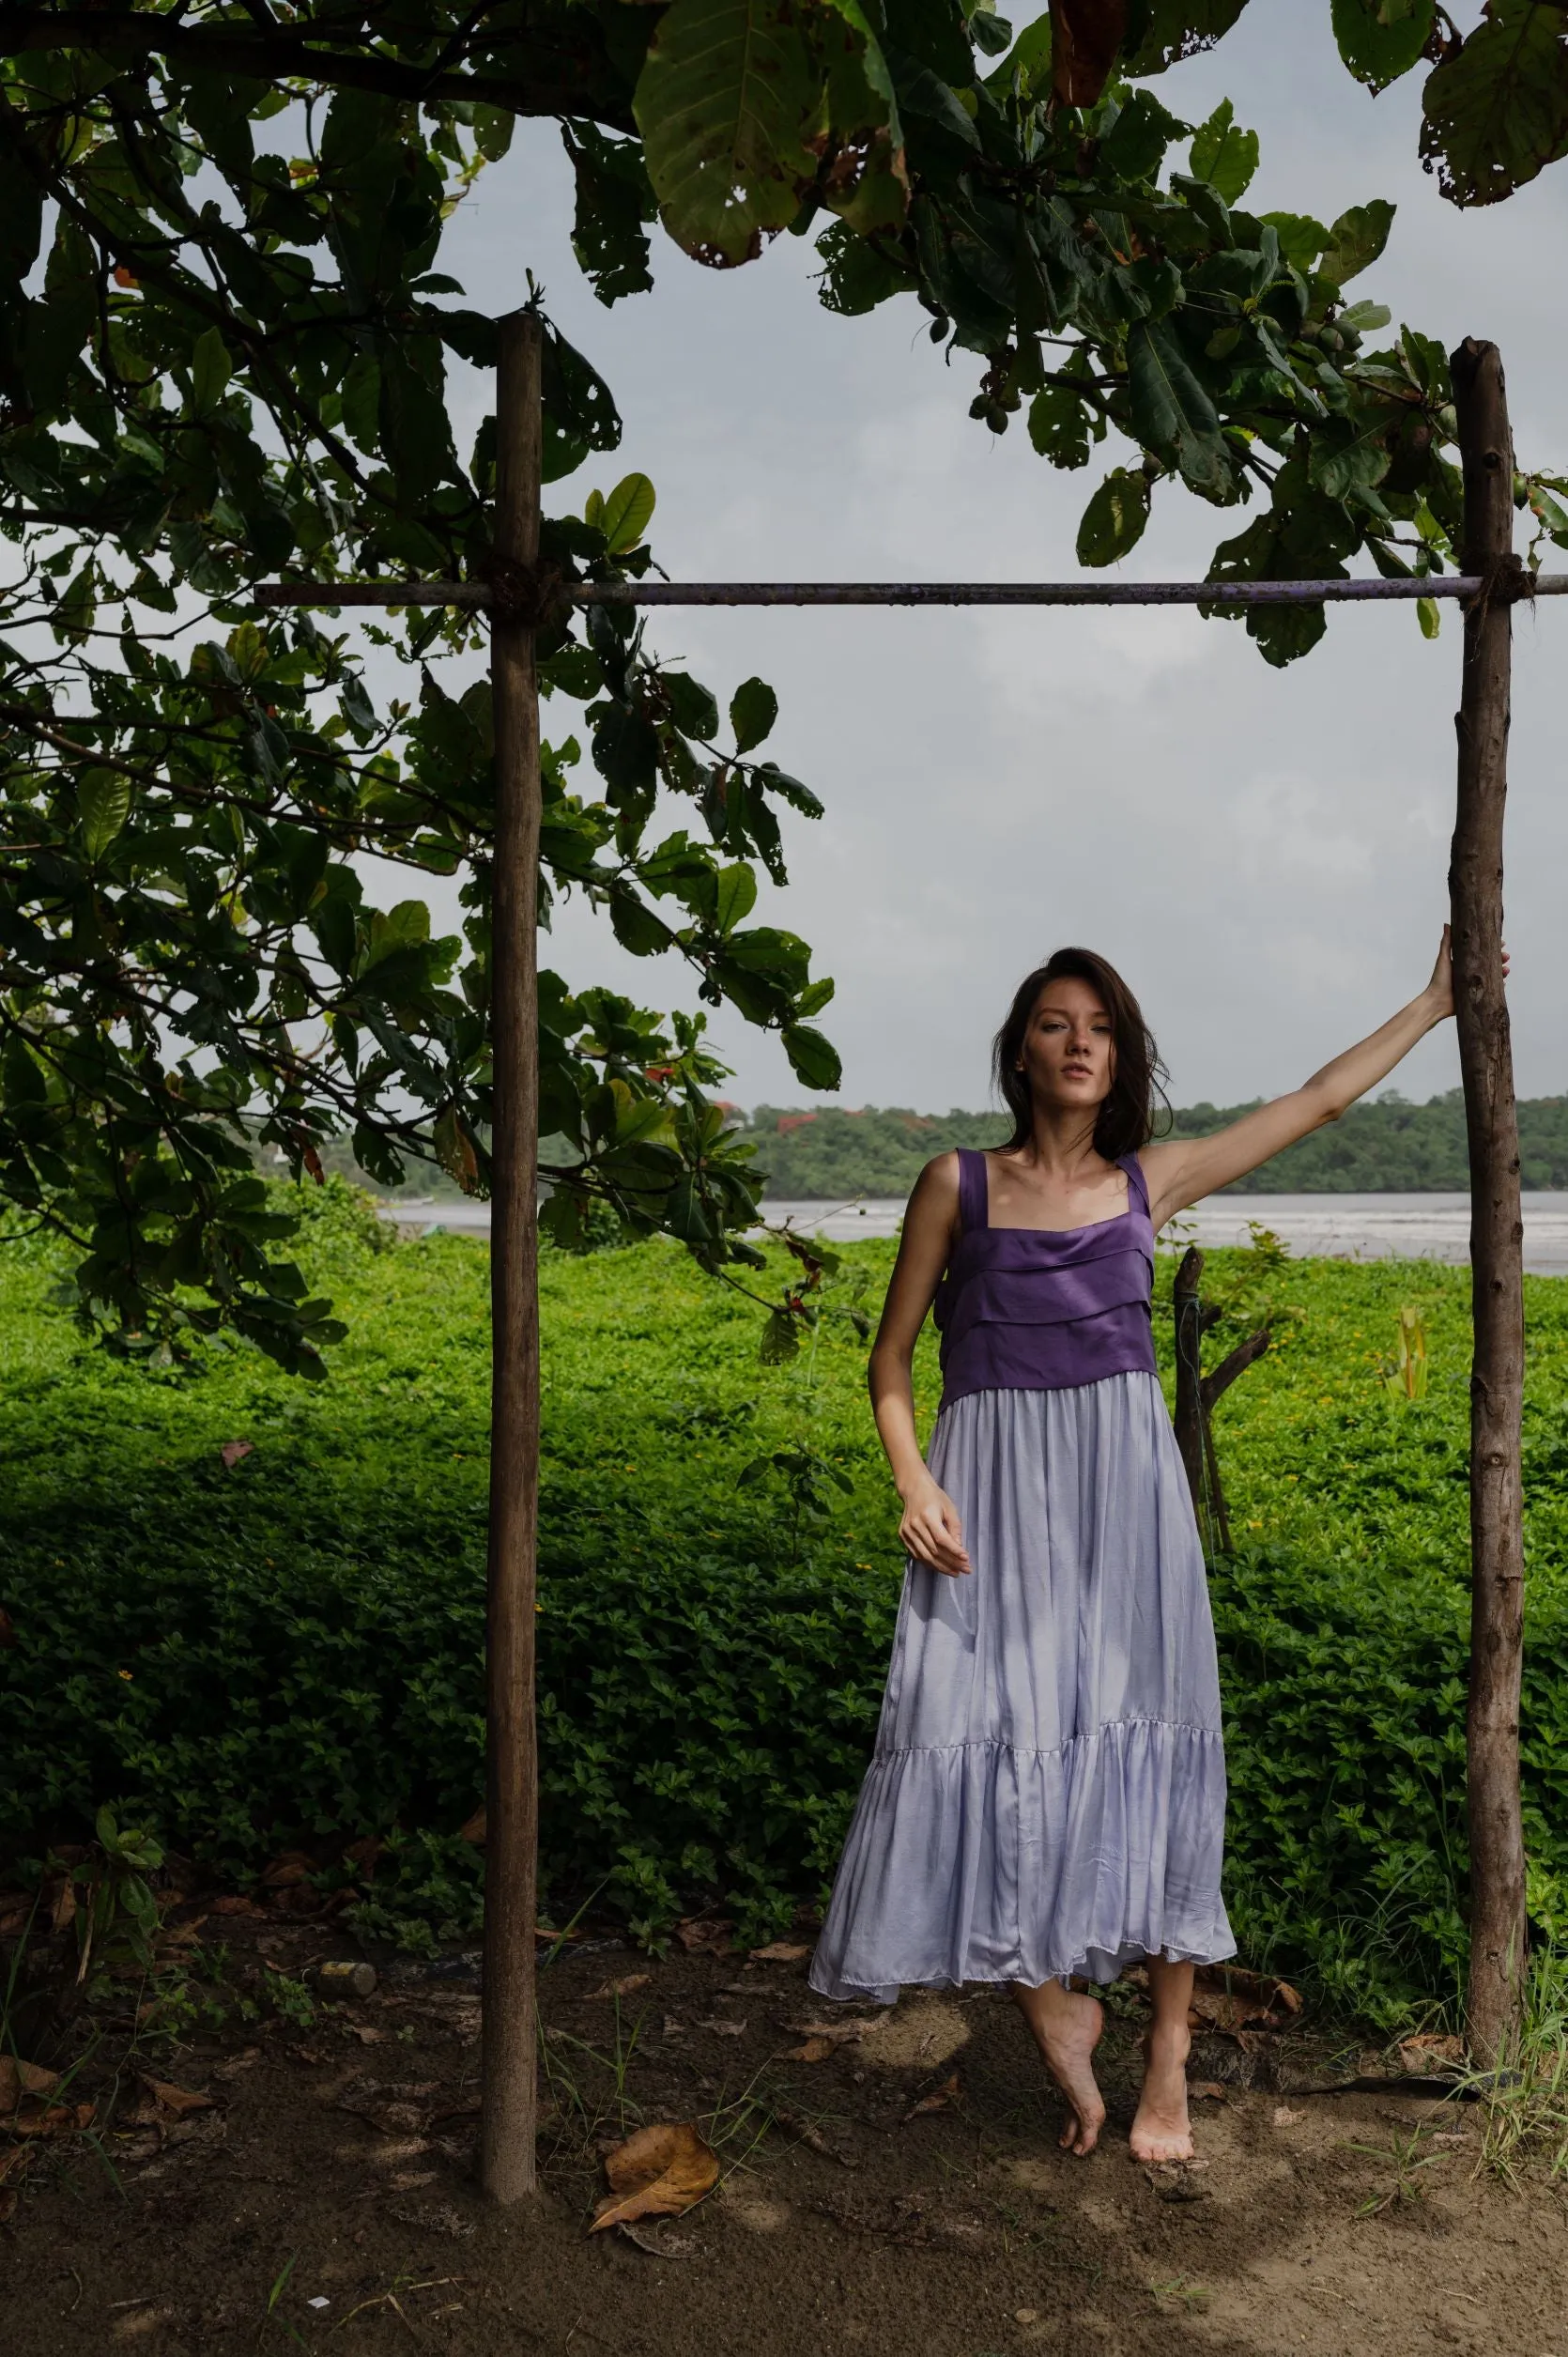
(475, 595)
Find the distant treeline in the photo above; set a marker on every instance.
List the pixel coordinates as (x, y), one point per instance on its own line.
(1388, 1146)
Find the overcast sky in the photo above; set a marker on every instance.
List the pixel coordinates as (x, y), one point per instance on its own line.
(1262, 853)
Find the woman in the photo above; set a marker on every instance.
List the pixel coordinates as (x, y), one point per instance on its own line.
(1048, 1791)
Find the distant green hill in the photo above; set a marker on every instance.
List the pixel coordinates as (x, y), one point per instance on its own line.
(1388, 1146)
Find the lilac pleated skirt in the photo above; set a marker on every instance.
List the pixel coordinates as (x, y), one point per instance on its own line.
(1047, 1796)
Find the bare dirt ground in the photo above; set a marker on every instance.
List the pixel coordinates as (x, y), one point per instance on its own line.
(892, 2192)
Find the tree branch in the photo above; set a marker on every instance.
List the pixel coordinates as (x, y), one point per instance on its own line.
(557, 84)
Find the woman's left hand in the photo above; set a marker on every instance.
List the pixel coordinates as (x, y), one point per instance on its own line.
(1439, 991)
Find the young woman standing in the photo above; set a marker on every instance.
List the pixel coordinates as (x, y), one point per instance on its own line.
(1047, 1796)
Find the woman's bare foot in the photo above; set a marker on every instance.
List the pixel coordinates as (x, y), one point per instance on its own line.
(1066, 2029)
(1161, 2131)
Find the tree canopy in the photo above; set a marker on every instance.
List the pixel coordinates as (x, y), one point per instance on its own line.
(225, 347)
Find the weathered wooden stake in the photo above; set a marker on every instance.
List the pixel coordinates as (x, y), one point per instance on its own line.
(507, 2126)
(1196, 1393)
(1497, 1930)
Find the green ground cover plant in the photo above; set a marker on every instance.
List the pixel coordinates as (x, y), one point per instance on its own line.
(245, 1651)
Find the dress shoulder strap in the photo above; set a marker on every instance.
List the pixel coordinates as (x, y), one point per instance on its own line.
(973, 1200)
(1137, 1185)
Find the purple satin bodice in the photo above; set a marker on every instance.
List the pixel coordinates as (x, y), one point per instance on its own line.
(1042, 1308)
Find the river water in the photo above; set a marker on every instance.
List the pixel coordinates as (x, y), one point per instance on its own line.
(1340, 1226)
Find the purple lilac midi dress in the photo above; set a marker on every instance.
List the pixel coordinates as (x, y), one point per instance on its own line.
(1047, 1795)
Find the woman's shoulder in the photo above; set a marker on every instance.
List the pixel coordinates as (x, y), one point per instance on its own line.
(939, 1178)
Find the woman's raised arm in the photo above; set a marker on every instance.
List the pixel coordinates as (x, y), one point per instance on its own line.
(1180, 1171)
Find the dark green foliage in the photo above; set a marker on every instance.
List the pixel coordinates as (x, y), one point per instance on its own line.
(1385, 1146)
(236, 366)
(286, 1650)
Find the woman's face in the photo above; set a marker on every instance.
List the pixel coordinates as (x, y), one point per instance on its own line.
(1069, 1052)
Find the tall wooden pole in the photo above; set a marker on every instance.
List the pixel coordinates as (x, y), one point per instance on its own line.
(507, 2128)
(1497, 1930)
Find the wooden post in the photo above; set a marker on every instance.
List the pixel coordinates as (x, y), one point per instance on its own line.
(1196, 1393)
(1498, 1929)
(1187, 1418)
(507, 2126)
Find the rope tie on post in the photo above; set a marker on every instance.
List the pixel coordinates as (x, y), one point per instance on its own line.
(536, 595)
(1505, 579)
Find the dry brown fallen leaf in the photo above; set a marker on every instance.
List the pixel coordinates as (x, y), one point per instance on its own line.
(292, 1867)
(18, 2079)
(724, 2029)
(782, 1952)
(947, 2093)
(814, 2050)
(236, 2063)
(1428, 2050)
(1229, 1999)
(233, 1904)
(1206, 2091)
(50, 2120)
(699, 1934)
(177, 2100)
(623, 1988)
(173, 1937)
(232, 1451)
(659, 2173)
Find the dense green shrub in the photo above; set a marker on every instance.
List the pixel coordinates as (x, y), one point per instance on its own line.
(288, 1647)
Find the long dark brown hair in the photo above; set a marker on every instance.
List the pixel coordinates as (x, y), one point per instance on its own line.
(1125, 1119)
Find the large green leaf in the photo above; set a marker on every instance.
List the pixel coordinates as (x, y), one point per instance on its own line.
(1173, 415)
(1225, 157)
(1498, 113)
(1348, 458)
(727, 104)
(1115, 518)
(210, 371)
(103, 803)
(753, 710)
(626, 512)
(694, 707)
(1301, 238)
(813, 1058)
(735, 898)
(614, 199)
(1060, 426)
(1380, 39)
(1159, 33)
(1030, 56)
(1356, 241)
